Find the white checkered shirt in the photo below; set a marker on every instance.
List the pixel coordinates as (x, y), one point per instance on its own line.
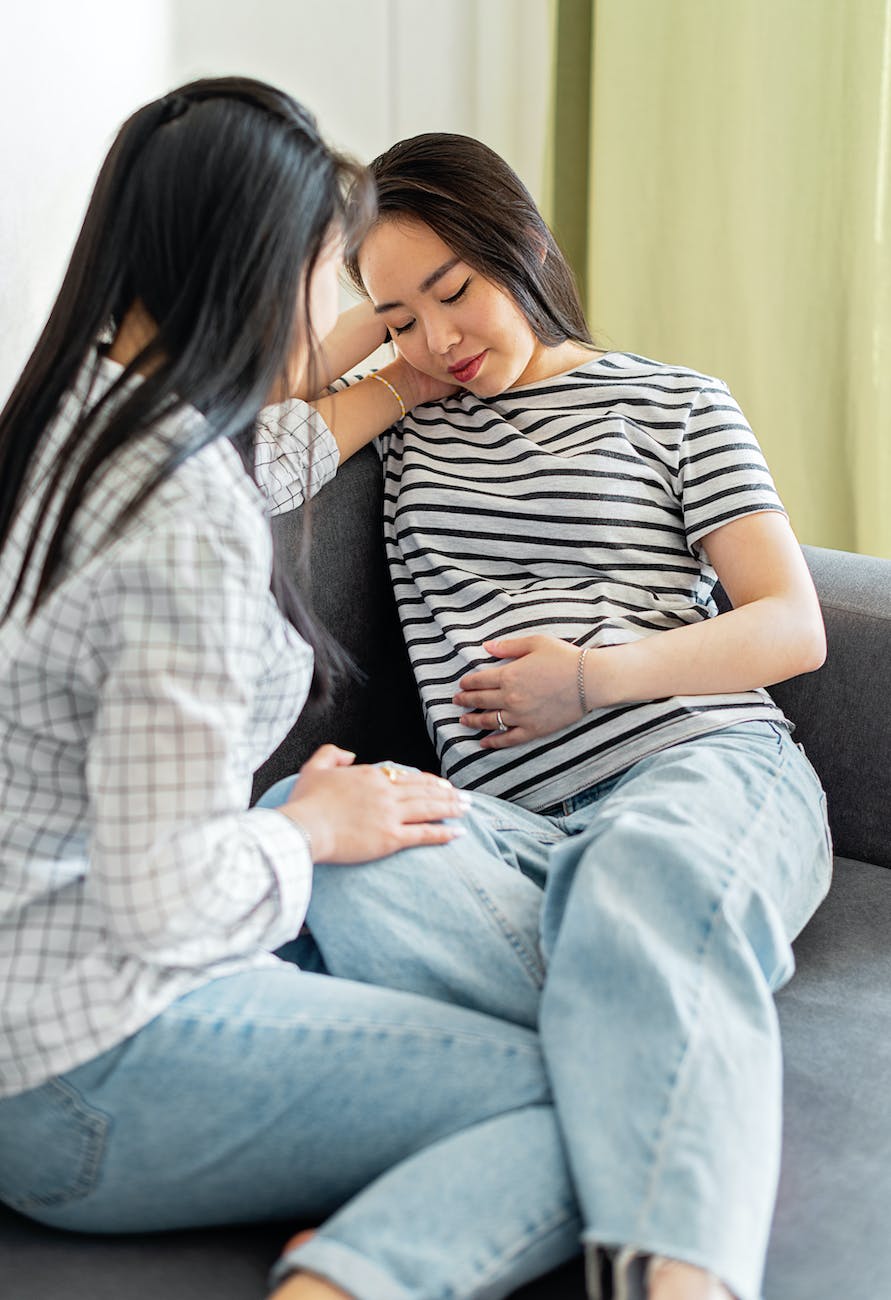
(134, 709)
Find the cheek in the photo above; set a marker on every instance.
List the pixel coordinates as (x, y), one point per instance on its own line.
(411, 346)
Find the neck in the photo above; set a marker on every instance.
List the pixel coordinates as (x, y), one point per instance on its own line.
(136, 331)
(547, 362)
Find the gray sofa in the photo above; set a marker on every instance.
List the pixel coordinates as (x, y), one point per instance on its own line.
(830, 1240)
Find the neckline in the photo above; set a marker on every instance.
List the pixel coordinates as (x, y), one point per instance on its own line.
(563, 374)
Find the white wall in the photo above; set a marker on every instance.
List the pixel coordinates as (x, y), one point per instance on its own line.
(70, 72)
(375, 71)
(372, 70)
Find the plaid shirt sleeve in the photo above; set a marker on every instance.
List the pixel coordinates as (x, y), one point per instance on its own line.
(286, 433)
(182, 870)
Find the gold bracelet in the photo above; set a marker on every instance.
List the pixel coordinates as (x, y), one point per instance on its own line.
(580, 679)
(375, 375)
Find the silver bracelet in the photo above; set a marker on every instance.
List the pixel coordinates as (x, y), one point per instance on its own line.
(580, 679)
(304, 832)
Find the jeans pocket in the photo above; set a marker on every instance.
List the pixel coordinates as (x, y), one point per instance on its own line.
(52, 1144)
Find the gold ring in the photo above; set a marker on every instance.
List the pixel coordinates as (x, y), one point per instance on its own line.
(502, 725)
(390, 772)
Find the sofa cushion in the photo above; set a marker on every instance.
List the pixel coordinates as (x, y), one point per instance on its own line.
(830, 1238)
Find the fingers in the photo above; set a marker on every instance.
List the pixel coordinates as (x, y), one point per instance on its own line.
(506, 739)
(415, 835)
(327, 757)
(479, 700)
(489, 720)
(482, 679)
(512, 647)
(424, 808)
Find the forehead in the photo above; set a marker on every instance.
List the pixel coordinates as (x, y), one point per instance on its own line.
(400, 250)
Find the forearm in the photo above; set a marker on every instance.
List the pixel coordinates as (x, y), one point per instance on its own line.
(356, 335)
(755, 645)
(359, 413)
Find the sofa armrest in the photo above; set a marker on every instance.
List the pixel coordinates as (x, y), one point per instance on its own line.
(843, 711)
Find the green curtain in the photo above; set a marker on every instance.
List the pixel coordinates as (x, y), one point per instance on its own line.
(736, 196)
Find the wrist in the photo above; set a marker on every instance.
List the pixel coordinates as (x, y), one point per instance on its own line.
(403, 378)
(607, 677)
(313, 826)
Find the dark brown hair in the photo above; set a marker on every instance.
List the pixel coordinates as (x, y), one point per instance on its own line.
(477, 205)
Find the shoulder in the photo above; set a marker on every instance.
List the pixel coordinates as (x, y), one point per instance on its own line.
(631, 370)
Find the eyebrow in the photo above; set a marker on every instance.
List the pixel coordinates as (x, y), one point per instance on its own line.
(424, 287)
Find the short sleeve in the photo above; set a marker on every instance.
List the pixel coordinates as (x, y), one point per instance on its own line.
(722, 474)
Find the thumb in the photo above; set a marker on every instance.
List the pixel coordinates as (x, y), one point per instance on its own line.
(327, 757)
(512, 648)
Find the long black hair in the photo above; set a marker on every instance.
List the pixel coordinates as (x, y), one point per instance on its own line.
(211, 210)
(481, 210)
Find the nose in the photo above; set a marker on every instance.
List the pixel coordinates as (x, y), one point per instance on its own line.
(442, 334)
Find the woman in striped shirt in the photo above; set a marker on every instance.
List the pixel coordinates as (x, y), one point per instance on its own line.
(645, 836)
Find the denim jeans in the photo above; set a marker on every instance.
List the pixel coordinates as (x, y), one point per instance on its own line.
(424, 1130)
(644, 926)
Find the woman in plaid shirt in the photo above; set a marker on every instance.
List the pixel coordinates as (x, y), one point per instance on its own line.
(160, 1065)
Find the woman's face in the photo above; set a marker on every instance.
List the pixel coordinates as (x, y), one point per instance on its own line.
(446, 319)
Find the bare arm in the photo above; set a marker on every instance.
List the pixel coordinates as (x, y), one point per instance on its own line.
(356, 415)
(357, 334)
(774, 631)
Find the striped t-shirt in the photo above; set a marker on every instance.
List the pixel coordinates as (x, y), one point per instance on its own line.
(574, 506)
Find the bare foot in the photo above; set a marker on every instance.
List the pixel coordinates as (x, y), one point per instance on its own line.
(299, 1239)
(304, 1286)
(671, 1279)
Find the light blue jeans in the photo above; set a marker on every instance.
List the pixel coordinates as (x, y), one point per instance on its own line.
(644, 926)
(424, 1130)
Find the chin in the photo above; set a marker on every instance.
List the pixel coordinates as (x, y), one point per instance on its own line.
(489, 385)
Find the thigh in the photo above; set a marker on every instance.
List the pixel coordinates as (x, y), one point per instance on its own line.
(456, 922)
(731, 822)
(271, 1093)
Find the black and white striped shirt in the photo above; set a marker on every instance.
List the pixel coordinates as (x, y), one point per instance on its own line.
(575, 506)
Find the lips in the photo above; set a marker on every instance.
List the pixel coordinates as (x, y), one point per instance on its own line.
(465, 371)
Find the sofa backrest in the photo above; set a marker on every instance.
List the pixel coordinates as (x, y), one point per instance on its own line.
(842, 712)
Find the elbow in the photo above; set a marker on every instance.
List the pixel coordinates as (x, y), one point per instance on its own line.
(818, 658)
(812, 648)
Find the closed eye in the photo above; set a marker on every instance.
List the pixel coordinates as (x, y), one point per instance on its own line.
(447, 302)
(461, 292)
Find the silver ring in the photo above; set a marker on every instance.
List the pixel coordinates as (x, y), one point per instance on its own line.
(502, 725)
